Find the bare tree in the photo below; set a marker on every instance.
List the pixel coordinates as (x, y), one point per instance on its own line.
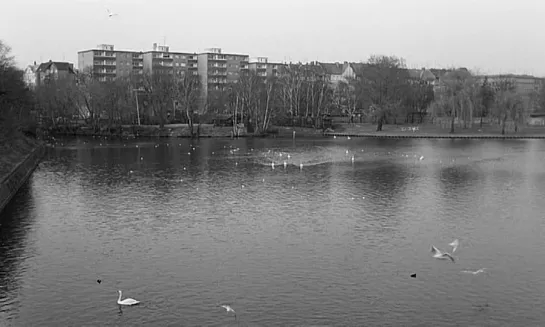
(384, 81)
(508, 103)
(459, 92)
(186, 91)
(159, 91)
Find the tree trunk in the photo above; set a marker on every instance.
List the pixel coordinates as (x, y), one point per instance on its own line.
(504, 120)
(189, 121)
(235, 120)
(380, 122)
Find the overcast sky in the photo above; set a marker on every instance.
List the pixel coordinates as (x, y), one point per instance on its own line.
(494, 36)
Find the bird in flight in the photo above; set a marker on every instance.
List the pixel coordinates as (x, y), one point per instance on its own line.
(440, 255)
(474, 272)
(455, 244)
(229, 309)
(111, 14)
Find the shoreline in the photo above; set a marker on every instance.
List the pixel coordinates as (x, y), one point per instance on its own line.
(21, 156)
(435, 136)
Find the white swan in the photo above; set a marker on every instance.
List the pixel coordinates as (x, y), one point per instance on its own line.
(127, 301)
(454, 245)
(440, 255)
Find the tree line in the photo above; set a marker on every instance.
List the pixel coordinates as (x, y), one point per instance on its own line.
(382, 90)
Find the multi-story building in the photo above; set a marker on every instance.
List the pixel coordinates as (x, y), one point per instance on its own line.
(161, 61)
(106, 63)
(216, 69)
(265, 69)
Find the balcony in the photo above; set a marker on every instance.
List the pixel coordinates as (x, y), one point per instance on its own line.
(103, 63)
(104, 54)
(217, 57)
(216, 65)
(261, 66)
(217, 81)
(137, 64)
(162, 56)
(163, 63)
(243, 66)
(192, 66)
(106, 71)
(217, 73)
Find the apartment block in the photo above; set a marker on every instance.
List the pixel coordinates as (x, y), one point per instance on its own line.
(264, 68)
(216, 69)
(107, 63)
(162, 61)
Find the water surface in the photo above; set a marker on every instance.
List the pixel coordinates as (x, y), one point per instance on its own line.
(184, 226)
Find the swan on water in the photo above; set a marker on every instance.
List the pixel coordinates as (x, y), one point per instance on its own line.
(127, 301)
(440, 255)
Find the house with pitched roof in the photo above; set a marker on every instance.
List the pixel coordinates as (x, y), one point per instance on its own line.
(334, 71)
(353, 70)
(54, 70)
(30, 75)
(421, 76)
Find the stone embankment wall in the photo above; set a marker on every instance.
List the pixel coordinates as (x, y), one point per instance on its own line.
(10, 184)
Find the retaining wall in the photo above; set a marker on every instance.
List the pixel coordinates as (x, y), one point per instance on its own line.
(11, 183)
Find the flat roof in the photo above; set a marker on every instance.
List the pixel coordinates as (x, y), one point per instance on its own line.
(227, 54)
(97, 49)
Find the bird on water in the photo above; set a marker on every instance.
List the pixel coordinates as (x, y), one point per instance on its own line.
(127, 301)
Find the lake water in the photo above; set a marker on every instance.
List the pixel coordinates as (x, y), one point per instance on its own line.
(185, 226)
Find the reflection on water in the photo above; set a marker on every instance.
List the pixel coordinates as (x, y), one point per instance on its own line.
(186, 225)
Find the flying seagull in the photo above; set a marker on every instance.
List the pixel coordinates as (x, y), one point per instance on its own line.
(110, 14)
(229, 309)
(474, 272)
(454, 245)
(440, 255)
